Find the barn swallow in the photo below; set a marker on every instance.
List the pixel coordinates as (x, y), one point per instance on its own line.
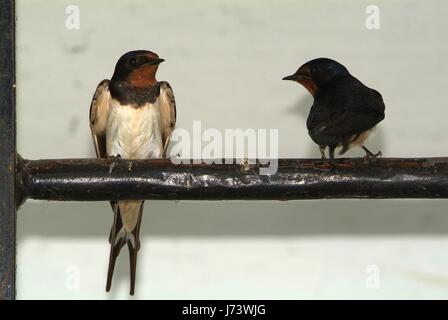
(132, 116)
(344, 111)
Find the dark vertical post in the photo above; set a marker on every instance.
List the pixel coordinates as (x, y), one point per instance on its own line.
(7, 150)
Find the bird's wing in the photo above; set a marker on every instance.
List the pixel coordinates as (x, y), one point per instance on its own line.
(167, 113)
(350, 122)
(357, 111)
(99, 111)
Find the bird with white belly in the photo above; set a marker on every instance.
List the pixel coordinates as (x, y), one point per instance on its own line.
(132, 116)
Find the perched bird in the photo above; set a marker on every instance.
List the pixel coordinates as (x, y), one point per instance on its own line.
(132, 116)
(344, 110)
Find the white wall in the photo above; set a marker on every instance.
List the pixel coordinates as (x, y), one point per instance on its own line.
(225, 60)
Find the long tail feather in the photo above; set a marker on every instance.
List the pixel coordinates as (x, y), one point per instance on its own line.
(133, 247)
(115, 247)
(118, 238)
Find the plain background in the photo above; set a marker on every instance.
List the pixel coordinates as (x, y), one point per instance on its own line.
(224, 60)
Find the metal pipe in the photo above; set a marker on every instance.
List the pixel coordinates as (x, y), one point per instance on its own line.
(7, 151)
(108, 179)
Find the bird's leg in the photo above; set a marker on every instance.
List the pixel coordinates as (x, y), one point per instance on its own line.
(322, 152)
(370, 155)
(115, 157)
(112, 165)
(331, 152)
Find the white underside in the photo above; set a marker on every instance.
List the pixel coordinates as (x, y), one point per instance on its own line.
(133, 133)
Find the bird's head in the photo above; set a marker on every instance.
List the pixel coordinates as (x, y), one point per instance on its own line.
(316, 73)
(137, 68)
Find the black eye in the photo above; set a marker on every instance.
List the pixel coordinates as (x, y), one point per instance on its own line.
(133, 62)
(314, 69)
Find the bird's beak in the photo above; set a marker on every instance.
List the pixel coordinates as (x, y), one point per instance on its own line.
(292, 77)
(302, 74)
(155, 61)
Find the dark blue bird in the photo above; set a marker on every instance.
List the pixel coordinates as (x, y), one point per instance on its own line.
(344, 110)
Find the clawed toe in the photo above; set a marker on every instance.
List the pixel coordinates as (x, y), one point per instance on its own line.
(373, 156)
(370, 155)
(115, 157)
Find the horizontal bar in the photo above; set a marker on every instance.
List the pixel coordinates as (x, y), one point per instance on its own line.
(108, 179)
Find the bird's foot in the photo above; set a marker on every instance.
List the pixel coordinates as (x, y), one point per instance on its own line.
(322, 153)
(113, 159)
(370, 156)
(329, 162)
(245, 165)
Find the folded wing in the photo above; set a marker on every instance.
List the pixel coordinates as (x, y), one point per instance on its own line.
(99, 111)
(167, 113)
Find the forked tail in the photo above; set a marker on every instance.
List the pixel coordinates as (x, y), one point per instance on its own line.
(118, 238)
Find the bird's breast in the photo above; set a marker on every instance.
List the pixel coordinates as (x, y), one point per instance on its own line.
(134, 133)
